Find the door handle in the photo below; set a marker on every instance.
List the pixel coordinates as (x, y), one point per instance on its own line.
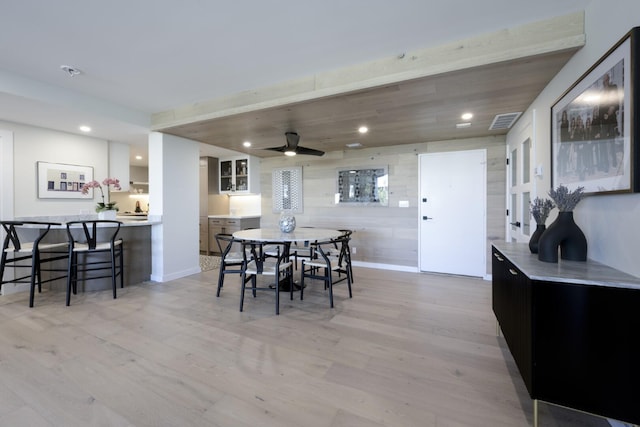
(517, 223)
(426, 217)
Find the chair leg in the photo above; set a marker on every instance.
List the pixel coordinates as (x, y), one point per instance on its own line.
(289, 274)
(70, 276)
(35, 276)
(329, 282)
(301, 281)
(244, 283)
(113, 271)
(220, 278)
(122, 265)
(277, 286)
(3, 261)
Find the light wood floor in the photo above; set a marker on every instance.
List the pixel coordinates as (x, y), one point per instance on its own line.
(407, 350)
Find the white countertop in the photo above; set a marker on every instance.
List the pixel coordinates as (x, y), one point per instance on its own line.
(583, 273)
(63, 219)
(233, 216)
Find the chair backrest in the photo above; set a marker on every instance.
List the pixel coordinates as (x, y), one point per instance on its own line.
(90, 230)
(252, 251)
(225, 243)
(13, 237)
(324, 248)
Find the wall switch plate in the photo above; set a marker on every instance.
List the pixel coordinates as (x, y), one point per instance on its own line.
(403, 204)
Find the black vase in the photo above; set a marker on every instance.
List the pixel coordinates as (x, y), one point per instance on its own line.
(533, 242)
(565, 234)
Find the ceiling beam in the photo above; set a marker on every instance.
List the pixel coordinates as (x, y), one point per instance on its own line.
(530, 40)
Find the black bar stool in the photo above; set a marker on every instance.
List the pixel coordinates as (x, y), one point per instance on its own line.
(89, 238)
(18, 244)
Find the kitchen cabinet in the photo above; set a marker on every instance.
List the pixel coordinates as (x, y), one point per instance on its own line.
(119, 164)
(139, 176)
(572, 329)
(228, 225)
(240, 175)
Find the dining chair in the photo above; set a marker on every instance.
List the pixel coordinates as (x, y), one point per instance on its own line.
(324, 265)
(20, 244)
(347, 251)
(231, 259)
(93, 240)
(278, 267)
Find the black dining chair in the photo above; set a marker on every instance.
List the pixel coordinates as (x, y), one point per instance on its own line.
(278, 267)
(231, 258)
(25, 247)
(324, 264)
(94, 247)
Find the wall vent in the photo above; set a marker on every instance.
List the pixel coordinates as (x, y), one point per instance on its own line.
(504, 121)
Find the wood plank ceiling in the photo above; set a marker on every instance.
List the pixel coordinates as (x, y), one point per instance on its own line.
(409, 111)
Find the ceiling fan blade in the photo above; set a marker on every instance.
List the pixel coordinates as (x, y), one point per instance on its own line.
(309, 151)
(280, 149)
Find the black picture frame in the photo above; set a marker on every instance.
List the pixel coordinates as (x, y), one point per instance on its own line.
(594, 140)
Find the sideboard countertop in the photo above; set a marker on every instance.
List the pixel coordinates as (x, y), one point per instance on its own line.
(584, 273)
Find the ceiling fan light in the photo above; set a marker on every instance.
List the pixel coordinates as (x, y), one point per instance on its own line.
(290, 153)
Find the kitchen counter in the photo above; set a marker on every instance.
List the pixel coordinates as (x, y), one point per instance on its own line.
(63, 219)
(137, 248)
(234, 216)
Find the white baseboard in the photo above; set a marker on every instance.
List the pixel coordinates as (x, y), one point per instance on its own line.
(393, 267)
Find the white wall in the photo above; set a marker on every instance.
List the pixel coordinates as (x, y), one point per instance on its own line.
(174, 171)
(609, 222)
(33, 144)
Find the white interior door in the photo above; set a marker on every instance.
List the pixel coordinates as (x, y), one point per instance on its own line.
(453, 212)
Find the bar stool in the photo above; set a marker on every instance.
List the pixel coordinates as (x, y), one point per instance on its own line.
(93, 239)
(16, 243)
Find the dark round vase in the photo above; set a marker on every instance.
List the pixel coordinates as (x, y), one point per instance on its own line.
(565, 234)
(533, 242)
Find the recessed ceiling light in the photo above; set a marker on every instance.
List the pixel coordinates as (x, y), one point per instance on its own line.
(463, 125)
(290, 153)
(247, 144)
(354, 145)
(363, 129)
(138, 157)
(85, 128)
(467, 116)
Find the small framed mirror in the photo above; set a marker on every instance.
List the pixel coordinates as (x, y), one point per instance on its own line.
(363, 186)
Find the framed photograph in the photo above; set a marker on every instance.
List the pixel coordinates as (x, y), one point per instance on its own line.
(362, 186)
(594, 140)
(61, 181)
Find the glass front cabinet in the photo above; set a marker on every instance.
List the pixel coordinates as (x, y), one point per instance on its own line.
(240, 175)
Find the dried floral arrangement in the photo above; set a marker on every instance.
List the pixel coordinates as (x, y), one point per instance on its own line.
(566, 200)
(540, 209)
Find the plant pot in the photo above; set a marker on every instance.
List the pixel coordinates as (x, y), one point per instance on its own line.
(109, 214)
(565, 234)
(533, 242)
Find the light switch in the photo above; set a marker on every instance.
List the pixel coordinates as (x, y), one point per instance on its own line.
(403, 204)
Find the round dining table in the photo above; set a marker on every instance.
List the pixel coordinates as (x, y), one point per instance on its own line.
(276, 235)
(298, 235)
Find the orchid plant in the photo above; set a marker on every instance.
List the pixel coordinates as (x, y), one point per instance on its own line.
(102, 206)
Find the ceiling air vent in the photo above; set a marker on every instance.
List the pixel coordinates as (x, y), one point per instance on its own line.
(504, 121)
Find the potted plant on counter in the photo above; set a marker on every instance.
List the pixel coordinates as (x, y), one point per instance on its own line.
(563, 233)
(540, 209)
(105, 210)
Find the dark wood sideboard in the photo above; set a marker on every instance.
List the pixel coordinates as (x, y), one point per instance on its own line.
(573, 329)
